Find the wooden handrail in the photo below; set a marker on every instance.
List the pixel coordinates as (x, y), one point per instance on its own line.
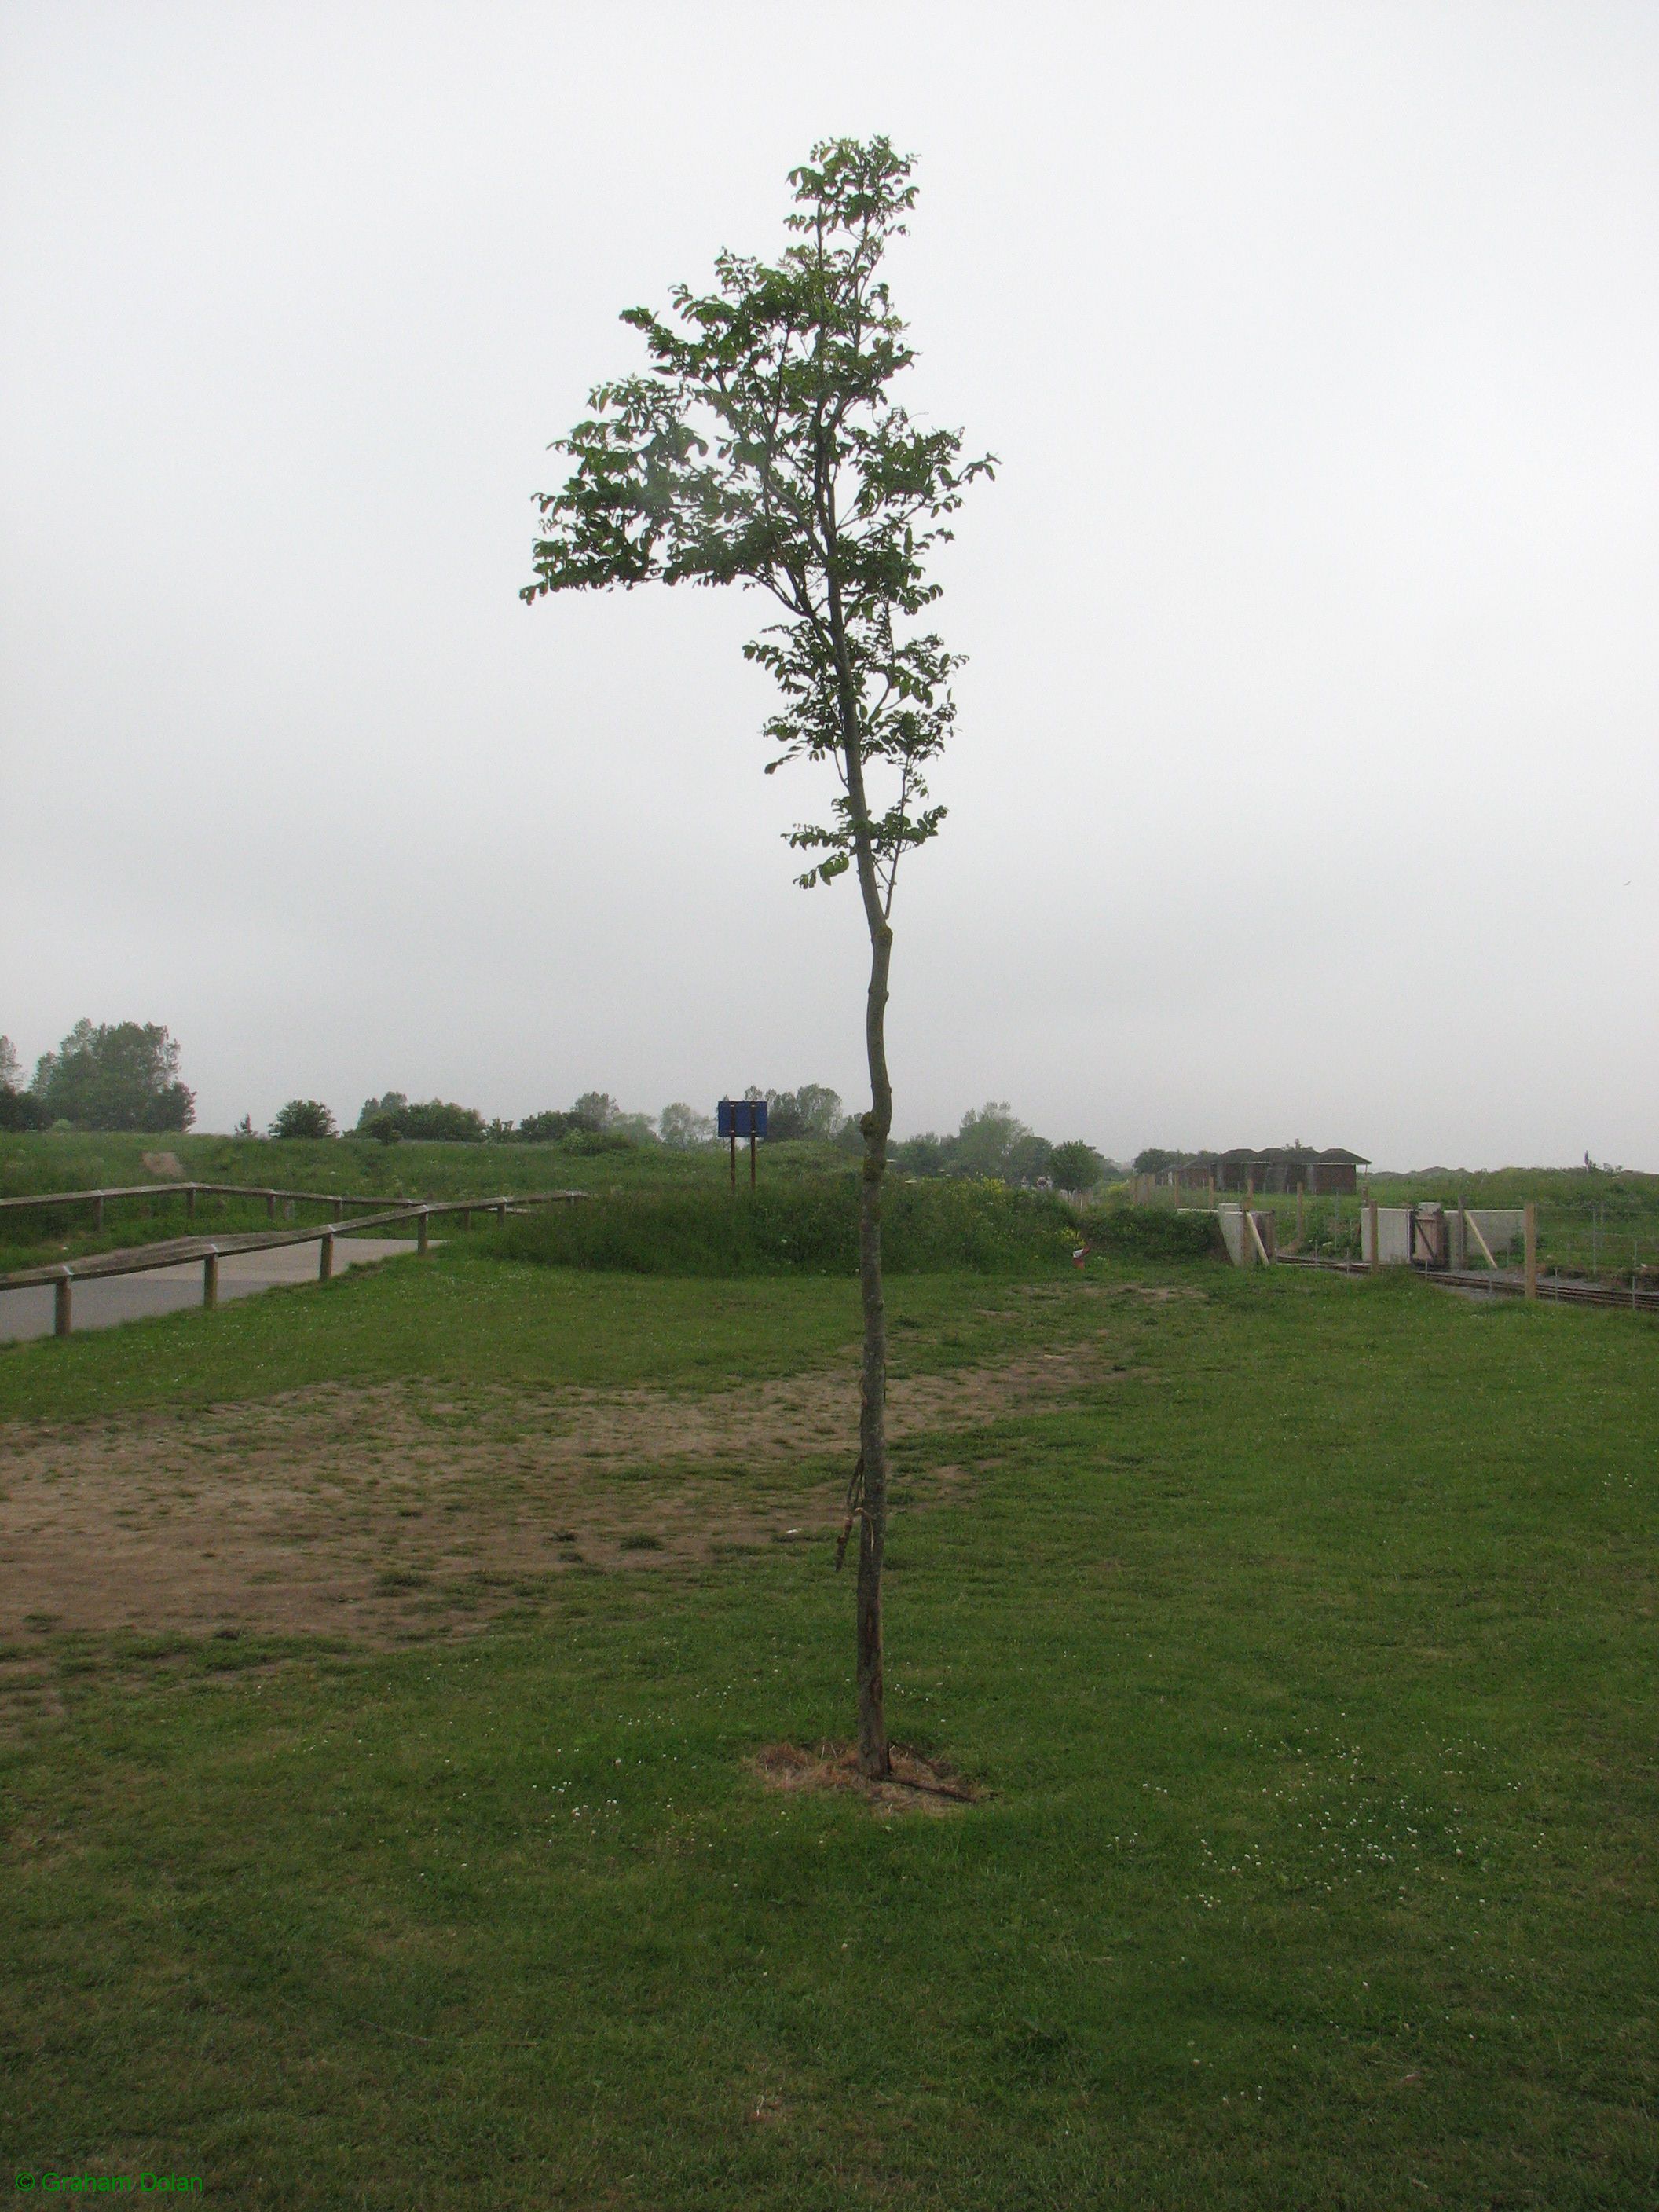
(223, 1189)
(178, 1251)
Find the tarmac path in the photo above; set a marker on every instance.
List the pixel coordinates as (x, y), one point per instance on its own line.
(106, 1302)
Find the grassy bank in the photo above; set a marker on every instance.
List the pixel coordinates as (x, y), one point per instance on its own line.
(802, 1225)
(1301, 1631)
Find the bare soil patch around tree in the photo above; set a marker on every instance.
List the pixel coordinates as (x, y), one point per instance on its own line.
(916, 1784)
(380, 1514)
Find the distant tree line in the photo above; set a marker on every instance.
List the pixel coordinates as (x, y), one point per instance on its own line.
(125, 1076)
(594, 1122)
(992, 1141)
(108, 1075)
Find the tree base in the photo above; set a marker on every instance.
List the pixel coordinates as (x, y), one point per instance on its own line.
(916, 1784)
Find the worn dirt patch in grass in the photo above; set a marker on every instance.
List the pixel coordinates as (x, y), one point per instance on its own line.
(917, 1784)
(406, 1510)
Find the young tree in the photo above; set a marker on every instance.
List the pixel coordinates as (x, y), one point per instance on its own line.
(763, 447)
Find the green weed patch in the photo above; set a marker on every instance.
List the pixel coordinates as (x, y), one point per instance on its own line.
(1148, 1232)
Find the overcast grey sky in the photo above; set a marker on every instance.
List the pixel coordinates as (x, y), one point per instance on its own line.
(1306, 779)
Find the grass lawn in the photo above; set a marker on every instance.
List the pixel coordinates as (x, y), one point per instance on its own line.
(1302, 1631)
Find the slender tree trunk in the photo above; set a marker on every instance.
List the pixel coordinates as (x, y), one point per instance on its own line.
(873, 1758)
(875, 1761)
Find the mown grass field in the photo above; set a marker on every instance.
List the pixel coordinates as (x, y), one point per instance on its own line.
(1300, 1631)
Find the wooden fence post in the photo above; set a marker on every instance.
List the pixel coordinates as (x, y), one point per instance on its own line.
(61, 1307)
(270, 1206)
(501, 1217)
(210, 1279)
(423, 1232)
(325, 1256)
(335, 1210)
(97, 1211)
(1531, 1220)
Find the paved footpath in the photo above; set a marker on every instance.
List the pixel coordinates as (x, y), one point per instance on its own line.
(103, 1303)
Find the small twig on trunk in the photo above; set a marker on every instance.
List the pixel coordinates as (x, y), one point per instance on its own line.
(854, 1507)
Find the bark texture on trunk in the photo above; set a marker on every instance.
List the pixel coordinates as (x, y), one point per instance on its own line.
(873, 1758)
(875, 1761)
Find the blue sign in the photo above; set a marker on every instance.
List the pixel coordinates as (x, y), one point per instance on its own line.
(742, 1117)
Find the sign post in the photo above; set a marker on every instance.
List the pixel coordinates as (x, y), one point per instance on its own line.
(742, 1117)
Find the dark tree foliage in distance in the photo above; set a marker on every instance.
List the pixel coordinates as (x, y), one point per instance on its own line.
(114, 1076)
(19, 1109)
(993, 1142)
(682, 1128)
(927, 1154)
(594, 1115)
(304, 1117)
(763, 446)
(546, 1128)
(1076, 1166)
(814, 1110)
(432, 1120)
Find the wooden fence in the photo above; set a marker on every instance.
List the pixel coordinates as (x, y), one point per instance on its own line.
(180, 1251)
(336, 1202)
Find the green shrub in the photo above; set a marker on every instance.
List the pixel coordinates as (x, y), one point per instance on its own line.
(304, 1117)
(808, 1225)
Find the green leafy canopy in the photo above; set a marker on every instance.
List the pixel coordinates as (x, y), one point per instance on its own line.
(761, 447)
